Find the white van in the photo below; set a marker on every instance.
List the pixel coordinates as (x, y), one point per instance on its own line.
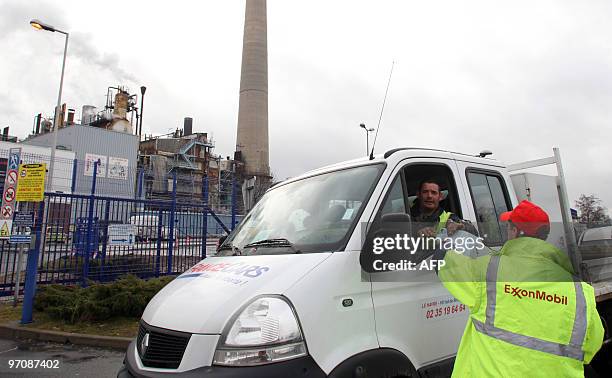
(286, 295)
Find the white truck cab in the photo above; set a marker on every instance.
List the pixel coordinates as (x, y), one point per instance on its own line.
(286, 295)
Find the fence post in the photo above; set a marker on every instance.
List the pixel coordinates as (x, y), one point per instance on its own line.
(101, 271)
(171, 236)
(140, 183)
(137, 189)
(29, 289)
(90, 216)
(233, 201)
(95, 178)
(205, 225)
(160, 220)
(75, 162)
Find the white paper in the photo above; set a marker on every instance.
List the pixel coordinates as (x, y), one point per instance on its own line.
(117, 168)
(90, 160)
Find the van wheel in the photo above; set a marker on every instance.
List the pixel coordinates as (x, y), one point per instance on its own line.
(602, 362)
(383, 362)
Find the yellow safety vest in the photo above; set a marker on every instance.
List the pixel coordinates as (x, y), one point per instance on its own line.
(443, 219)
(529, 316)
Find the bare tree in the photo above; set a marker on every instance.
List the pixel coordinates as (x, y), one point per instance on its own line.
(591, 211)
(262, 186)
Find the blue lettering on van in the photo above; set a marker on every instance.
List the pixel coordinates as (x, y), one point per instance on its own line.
(238, 268)
(190, 275)
(256, 271)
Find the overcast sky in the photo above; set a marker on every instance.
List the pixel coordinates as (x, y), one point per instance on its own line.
(514, 77)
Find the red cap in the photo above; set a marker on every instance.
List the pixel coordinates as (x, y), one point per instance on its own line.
(527, 217)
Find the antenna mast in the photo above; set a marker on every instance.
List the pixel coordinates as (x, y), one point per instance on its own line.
(381, 112)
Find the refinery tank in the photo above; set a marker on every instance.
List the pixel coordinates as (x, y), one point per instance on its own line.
(121, 125)
(88, 114)
(120, 122)
(121, 105)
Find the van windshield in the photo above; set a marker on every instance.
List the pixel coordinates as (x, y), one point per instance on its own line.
(306, 216)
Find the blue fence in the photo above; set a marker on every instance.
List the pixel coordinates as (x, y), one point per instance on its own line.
(76, 241)
(74, 244)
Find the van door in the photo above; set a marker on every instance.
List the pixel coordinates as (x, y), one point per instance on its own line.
(416, 315)
(489, 197)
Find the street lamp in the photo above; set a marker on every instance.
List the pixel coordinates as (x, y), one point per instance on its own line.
(143, 89)
(368, 131)
(39, 25)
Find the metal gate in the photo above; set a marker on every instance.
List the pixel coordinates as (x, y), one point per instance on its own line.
(75, 245)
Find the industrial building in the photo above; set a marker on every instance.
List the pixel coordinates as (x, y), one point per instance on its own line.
(133, 168)
(61, 182)
(105, 137)
(190, 157)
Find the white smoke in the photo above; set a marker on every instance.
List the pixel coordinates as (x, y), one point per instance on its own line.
(15, 18)
(81, 47)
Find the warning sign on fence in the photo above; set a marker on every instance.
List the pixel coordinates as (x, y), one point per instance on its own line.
(5, 228)
(31, 181)
(121, 234)
(90, 160)
(7, 208)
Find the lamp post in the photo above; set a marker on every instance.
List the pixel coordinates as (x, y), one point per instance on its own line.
(368, 131)
(143, 89)
(39, 25)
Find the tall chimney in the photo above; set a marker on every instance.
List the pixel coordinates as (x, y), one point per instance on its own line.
(187, 126)
(252, 138)
(37, 124)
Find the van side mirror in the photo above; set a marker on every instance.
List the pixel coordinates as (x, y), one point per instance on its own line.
(395, 218)
(392, 224)
(382, 234)
(221, 241)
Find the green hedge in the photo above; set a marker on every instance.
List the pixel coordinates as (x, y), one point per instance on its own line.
(125, 297)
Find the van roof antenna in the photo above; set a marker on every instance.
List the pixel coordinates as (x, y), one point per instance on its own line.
(381, 112)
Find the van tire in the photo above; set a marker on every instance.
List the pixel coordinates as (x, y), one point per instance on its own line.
(383, 362)
(602, 361)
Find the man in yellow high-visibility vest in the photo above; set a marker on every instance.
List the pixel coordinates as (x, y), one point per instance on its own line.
(429, 217)
(530, 316)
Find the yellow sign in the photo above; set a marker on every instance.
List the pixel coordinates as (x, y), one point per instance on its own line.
(31, 182)
(5, 229)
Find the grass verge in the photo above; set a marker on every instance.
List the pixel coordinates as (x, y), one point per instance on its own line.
(117, 326)
(110, 309)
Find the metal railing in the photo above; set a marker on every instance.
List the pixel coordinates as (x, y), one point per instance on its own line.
(75, 239)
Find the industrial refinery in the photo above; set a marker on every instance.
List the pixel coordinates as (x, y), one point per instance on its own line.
(112, 134)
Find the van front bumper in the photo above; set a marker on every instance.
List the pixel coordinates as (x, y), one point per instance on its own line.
(304, 367)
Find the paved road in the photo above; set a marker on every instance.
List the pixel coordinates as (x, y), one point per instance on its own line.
(72, 360)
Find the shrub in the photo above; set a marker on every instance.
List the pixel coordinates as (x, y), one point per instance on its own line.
(125, 297)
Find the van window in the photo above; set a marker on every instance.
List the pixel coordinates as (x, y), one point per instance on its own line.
(314, 214)
(490, 200)
(441, 173)
(395, 202)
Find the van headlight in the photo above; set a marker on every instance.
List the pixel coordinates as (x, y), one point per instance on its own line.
(266, 331)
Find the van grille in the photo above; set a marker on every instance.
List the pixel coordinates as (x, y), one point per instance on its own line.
(165, 347)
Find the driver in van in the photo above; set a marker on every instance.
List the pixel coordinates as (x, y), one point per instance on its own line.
(430, 216)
